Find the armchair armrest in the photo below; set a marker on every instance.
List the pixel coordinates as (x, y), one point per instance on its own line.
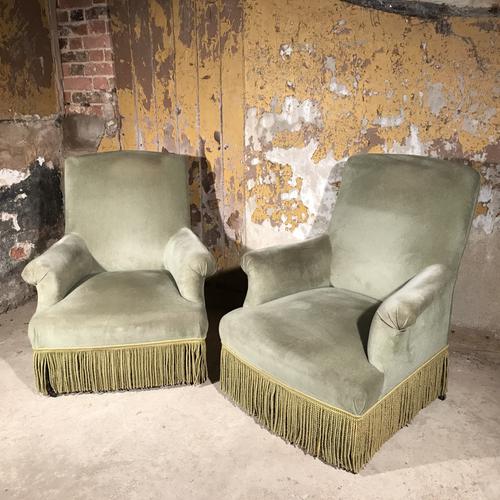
(286, 269)
(411, 324)
(189, 262)
(59, 269)
(400, 310)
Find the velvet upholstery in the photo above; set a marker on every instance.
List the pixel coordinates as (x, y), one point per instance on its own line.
(271, 276)
(394, 216)
(126, 205)
(59, 269)
(119, 308)
(411, 325)
(128, 272)
(189, 262)
(397, 234)
(314, 341)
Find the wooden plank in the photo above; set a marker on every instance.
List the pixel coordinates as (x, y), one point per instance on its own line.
(186, 91)
(142, 73)
(163, 49)
(120, 35)
(209, 84)
(186, 71)
(27, 71)
(233, 119)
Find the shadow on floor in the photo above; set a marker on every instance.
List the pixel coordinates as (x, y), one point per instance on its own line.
(223, 293)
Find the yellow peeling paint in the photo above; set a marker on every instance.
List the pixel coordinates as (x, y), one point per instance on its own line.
(233, 98)
(209, 105)
(379, 82)
(109, 144)
(382, 82)
(127, 108)
(273, 188)
(163, 50)
(27, 75)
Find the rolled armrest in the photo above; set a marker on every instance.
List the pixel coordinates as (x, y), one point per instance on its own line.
(59, 269)
(286, 269)
(189, 262)
(412, 324)
(401, 309)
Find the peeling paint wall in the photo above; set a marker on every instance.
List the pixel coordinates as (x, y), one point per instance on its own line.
(180, 85)
(30, 144)
(278, 94)
(371, 82)
(27, 85)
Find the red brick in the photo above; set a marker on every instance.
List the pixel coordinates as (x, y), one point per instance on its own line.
(97, 42)
(96, 55)
(97, 26)
(96, 109)
(108, 55)
(67, 97)
(73, 30)
(101, 83)
(20, 251)
(62, 16)
(63, 43)
(77, 83)
(99, 69)
(77, 69)
(97, 13)
(71, 4)
(75, 43)
(76, 15)
(77, 56)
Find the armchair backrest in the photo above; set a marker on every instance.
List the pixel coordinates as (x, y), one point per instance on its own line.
(395, 215)
(126, 205)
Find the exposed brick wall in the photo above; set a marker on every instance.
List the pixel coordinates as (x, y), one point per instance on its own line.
(87, 57)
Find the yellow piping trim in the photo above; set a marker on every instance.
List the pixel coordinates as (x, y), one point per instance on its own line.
(119, 346)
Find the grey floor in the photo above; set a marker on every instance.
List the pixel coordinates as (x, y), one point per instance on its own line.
(190, 442)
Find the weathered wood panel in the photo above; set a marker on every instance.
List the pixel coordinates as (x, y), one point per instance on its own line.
(163, 50)
(27, 72)
(121, 34)
(233, 105)
(209, 85)
(143, 74)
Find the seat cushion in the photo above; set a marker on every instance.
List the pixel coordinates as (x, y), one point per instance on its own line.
(312, 341)
(117, 308)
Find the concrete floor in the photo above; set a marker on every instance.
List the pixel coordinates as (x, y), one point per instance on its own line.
(190, 442)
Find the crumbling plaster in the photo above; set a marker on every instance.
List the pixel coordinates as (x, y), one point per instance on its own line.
(377, 82)
(30, 144)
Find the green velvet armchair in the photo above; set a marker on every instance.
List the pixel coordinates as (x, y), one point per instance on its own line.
(121, 295)
(343, 338)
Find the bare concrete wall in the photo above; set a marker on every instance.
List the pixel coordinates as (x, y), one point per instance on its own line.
(277, 95)
(30, 144)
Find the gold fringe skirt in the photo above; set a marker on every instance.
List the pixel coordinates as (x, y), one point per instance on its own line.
(135, 366)
(335, 436)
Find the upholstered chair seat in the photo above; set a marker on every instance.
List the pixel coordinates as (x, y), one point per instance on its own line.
(121, 295)
(308, 339)
(343, 337)
(120, 307)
